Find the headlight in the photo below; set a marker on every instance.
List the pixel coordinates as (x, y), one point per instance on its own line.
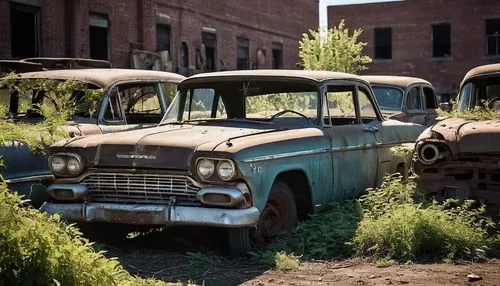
(225, 170)
(58, 163)
(428, 153)
(73, 165)
(205, 168)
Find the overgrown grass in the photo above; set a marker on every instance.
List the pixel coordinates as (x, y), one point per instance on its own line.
(484, 112)
(40, 250)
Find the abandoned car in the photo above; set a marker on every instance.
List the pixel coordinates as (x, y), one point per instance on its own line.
(248, 151)
(403, 98)
(130, 99)
(458, 157)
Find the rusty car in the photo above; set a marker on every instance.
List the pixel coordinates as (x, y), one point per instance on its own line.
(404, 98)
(460, 157)
(130, 99)
(249, 152)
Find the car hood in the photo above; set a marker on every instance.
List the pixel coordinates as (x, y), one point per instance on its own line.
(164, 147)
(471, 136)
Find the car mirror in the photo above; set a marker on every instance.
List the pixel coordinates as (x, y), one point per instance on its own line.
(445, 106)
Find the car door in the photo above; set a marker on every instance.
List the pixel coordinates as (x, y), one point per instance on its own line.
(353, 146)
(414, 105)
(133, 105)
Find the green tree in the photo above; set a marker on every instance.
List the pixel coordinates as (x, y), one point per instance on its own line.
(333, 49)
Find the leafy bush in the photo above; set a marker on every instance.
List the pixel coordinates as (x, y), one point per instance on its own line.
(40, 250)
(399, 223)
(483, 112)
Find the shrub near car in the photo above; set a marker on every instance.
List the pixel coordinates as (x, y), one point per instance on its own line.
(403, 98)
(131, 99)
(249, 151)
(460, 157)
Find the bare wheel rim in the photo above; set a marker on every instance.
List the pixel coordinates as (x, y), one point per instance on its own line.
(274, 218)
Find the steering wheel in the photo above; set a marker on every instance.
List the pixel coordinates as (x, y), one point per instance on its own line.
(291, 111)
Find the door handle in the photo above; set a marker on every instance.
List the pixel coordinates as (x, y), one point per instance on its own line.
(372, 129)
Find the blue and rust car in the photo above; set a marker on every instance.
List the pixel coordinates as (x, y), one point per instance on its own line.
(248, 151)
(130, 99)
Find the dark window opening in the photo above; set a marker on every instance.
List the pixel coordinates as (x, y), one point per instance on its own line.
(277, 55)
(210, 42)
(430, 98)
(25, 31)
(99, 37)
(162, 38)
(441, 40)
(383, 43)
(242, 62)
(493, 37)
(184, 59)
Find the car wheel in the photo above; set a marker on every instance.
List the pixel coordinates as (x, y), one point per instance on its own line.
(104, 232)
(280, 213)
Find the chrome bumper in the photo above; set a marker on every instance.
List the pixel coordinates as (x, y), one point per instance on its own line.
(148, 214)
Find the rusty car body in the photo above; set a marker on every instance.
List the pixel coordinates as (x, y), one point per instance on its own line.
(460, 158)
(408, 99)
(248, 151)
(126, 93)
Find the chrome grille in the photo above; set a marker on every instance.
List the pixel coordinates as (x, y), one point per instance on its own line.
(139, 188)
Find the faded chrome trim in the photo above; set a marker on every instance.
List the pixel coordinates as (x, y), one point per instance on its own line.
(79, 191)
(234, 194)
(29, 179)
(320, 151)
(148, 214)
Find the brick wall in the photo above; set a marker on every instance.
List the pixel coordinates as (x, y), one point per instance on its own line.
(411, 22)
(65, 27)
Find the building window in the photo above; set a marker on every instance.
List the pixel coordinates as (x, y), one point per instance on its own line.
(493, 37)
(99, 37)
(162, 38)
(25, 30)
(383, 43)
(441, 40)
(277, 55)
(242, 53)
(209, 58)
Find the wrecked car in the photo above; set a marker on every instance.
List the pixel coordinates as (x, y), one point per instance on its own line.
(247, 151)
(130, 99)
(459, 157)
(408, 99)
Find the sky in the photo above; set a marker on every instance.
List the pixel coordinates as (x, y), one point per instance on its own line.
(323, 21)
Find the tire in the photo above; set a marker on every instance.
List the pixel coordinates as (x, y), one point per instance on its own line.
(280, 213)
(104, 232)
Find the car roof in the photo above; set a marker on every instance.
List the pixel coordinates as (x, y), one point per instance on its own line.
(103, 77)
(482, 70)
(303, 74)
(400, 81)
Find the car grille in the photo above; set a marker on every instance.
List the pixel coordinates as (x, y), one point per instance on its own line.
(139, 188)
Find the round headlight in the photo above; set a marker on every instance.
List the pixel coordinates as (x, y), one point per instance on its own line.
(58, 163)
(205, 168)
(225, 170)
(74, 166)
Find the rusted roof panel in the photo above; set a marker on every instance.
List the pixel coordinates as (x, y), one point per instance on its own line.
(104, 77)
(400, 81)
(482, 70)
(68, 63)
(304, 74)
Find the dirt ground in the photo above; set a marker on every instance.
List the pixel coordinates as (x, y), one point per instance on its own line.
(174, 258)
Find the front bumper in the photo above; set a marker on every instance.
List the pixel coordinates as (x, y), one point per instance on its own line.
(149, 214)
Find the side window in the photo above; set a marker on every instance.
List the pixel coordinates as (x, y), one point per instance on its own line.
(113, 111)
(413, 100)
(141, 102)
(340, 105)
(367, 111)
(169, 91)
(430, 98)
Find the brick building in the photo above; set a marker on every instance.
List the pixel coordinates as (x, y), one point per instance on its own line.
(438, 40)
(200, 35)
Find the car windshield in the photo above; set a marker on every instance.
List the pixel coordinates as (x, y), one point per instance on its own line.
(480, 92)
(390, 98)
(256, 100)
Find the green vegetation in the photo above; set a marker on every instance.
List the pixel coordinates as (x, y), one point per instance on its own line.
(42, 250)
(333, 49)
(483, 112)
